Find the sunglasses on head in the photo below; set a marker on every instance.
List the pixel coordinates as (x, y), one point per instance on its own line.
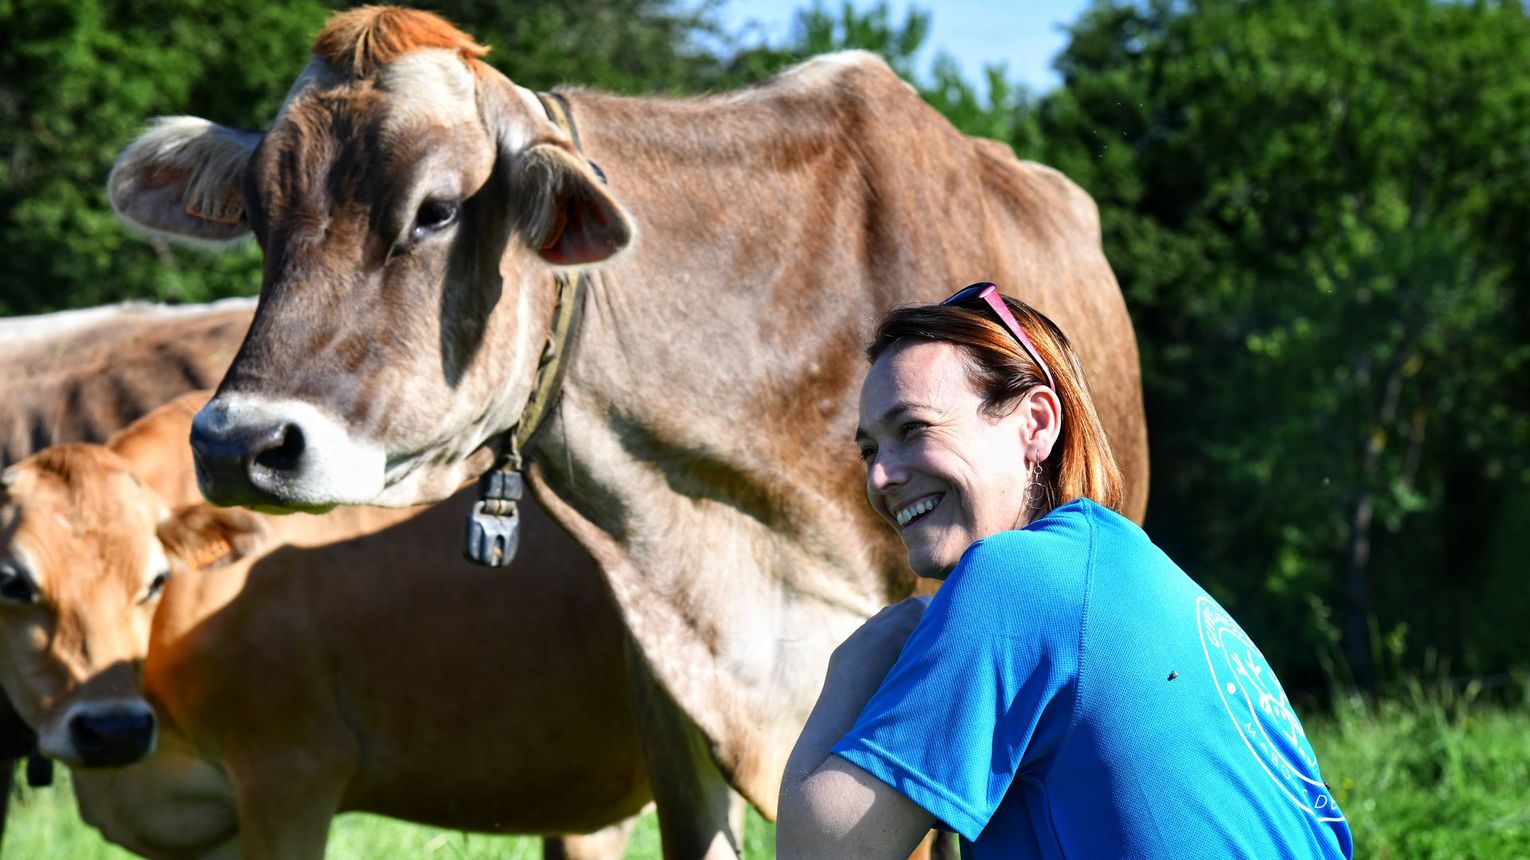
(989, 293)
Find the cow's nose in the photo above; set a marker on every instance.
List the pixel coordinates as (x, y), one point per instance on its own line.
(282, 455)
(244, 464)
(112, 739)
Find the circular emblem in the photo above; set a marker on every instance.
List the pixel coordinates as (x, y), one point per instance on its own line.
(1260, 712)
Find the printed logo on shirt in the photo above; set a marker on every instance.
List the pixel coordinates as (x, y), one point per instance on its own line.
(1261, 713)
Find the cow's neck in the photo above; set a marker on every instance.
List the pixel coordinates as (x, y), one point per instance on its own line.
(702, 450)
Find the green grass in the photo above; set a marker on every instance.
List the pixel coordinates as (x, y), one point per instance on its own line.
(44, 824)
(1428, 774)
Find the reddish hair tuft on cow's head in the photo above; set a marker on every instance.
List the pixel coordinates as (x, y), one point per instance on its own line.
(358, 41)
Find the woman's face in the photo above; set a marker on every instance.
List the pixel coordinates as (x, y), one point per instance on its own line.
(939, 470)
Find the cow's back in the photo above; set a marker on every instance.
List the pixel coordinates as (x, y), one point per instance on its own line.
(829, 195)
(79, 376)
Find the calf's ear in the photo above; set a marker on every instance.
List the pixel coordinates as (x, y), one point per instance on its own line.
(563, 208)
(202, 537)
(182, 179)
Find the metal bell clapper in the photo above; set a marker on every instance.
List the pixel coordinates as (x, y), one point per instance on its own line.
(494, 526)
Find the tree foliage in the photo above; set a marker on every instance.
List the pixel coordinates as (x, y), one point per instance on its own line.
(627, 46)
(77, 80)
(1317, 212)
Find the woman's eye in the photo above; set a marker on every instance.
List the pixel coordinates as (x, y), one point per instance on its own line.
(433, 217)
(867, 455)
(909, 428)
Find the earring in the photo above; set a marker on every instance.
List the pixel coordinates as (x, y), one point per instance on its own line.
(1035, 490)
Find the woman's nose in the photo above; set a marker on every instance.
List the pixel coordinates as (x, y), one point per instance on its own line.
(885, 472)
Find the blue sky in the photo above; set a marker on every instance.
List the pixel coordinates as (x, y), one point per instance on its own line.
(1024, 34)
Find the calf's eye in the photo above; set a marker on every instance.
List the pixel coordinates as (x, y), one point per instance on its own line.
(15, 587)
(156, 585)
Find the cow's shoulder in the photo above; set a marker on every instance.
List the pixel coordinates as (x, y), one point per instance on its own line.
(840, 71)
(856, 89)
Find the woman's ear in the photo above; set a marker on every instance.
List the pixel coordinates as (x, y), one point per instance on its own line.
(1041, 423)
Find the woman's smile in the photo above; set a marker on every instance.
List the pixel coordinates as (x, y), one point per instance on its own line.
(918, 509)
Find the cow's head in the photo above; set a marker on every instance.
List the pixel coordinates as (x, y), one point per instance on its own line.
(413, 206)
(85, 551)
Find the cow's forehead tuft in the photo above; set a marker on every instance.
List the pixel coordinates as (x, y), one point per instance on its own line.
(361, 41)
(85, 487)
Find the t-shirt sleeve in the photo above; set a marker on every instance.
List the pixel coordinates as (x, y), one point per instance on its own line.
(983, 691)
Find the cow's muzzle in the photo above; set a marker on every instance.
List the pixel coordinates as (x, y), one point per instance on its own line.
(280, 456)
(112, 737)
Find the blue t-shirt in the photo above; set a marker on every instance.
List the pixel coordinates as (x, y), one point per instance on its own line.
(1071, 693)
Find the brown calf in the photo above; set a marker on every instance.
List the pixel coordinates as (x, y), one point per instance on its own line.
(367, 671)
(79, 376)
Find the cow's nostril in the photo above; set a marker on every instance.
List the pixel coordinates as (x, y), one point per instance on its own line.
(281, 450)
(86, 736)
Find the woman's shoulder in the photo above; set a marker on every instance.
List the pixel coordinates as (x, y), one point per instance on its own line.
(1043, 564)
(1058, 537)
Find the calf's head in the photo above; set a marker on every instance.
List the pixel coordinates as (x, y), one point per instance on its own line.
(85, 552)
(412, 205)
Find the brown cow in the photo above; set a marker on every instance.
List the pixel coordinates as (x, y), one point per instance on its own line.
(79, 376)
(366, 674)
(414, 205)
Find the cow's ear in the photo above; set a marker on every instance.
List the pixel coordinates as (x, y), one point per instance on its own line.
(182, 179)
(202, 537)
(565, 212)
(559, 203)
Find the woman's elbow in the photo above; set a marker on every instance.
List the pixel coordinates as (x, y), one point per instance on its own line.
(805, 822)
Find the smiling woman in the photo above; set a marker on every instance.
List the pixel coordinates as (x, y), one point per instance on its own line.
(1069, 691)
(996, 388)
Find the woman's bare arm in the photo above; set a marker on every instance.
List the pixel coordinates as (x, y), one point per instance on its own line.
(830, 807)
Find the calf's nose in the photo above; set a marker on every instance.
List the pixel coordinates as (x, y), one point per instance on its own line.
(113, 738)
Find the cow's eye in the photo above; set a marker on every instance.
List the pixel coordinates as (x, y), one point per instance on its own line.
(15, 585)
(433, 217)
(156, 585)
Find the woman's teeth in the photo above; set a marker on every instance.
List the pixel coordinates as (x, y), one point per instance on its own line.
(922, 506)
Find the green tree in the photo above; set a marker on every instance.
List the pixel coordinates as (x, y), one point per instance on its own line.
(77, 80)
(1317, 212)
(625, 46)
(815, 30)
